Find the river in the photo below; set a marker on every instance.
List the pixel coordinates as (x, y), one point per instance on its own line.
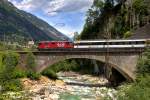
(69, 86)
(84, 87)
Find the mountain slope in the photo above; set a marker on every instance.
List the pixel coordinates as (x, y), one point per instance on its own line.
(15, 22)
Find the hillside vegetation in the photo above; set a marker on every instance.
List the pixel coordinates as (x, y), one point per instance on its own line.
(115, 18)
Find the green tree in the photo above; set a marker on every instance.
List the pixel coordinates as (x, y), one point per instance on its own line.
(30, 61)
(7, 79)
(140, 89)
(144, 63)
(9, 62)
(31, 64)
(113, 18)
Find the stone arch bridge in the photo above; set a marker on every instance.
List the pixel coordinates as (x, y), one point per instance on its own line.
(123, 60)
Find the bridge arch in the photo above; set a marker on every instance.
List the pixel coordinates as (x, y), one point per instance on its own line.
(50, 60)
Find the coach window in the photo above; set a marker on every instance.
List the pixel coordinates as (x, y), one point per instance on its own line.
(134, 42)
(95, 43)
(142, 42)
(123, 43)
(70, 43)
(101, 43)
(82, 43)
(113, 43)
(118, 43)
(90, 43)
(126, 42)
(110, 43)
(130, 42)
(105, 43)
(138, 42)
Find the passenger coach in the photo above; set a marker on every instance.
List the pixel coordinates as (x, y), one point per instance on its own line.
(137, 43)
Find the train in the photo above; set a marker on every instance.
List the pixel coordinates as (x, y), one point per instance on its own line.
(137, 43)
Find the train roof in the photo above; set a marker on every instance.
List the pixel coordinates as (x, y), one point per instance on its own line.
(54, 41)
(110, 40)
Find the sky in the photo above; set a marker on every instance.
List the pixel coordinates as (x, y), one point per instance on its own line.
(67, 16)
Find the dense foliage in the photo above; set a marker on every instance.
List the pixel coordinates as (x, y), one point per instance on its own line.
(77, 65)
(140, 89)
(7, 79)
(30, 61)
(114, 18)
(10, 72)
(61, 66)
(144, 64)
(31, 64)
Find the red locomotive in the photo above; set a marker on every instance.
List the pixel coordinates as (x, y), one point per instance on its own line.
(54, 44)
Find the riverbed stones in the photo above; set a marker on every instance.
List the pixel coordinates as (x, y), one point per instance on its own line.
(59, 83)
(84, 87)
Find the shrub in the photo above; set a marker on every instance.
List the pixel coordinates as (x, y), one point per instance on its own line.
(10, 59)
(50, 73)
(12, 85)
(33, 75)
(7, 80)
(144, 63)
(1, 66)
(30, 61)
(140, 89)
(31, 64)
(67, 65)
(9, 62)
(127, 34)
(19, 73)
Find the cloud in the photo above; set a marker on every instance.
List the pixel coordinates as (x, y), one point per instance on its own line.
(29, 5)
(53, 7)
(61, 6)
(67, 16)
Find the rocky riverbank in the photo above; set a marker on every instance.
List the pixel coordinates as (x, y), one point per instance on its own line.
(70, 86)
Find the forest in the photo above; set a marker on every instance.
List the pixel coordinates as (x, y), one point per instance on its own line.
(114, 19)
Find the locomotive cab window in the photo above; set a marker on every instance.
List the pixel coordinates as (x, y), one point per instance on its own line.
(40, 43)
(71, 43)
